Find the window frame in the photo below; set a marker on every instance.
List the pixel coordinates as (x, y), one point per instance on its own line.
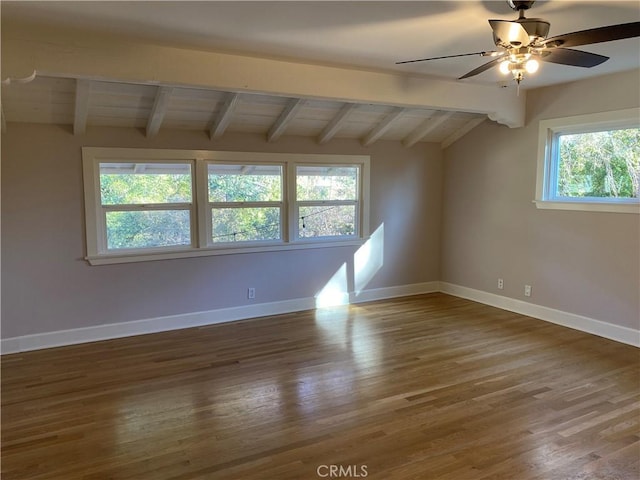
(200, 216)
(549, 132)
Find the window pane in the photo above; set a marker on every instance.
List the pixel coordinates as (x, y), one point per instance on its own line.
(140, 183)
(245, 224)
(327, 221)
(599, 164)
(148, 228)
(327, 183)
(245, 183)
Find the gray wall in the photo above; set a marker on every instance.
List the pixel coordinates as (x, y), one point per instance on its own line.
(585, 263)
(48, 287)
(466, 219)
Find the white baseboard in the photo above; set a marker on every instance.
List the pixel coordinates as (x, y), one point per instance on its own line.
(393, 292)
(195, 319)
(571, 320)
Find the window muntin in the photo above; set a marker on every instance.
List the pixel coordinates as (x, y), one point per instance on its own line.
(193, 211)
(327, 200)
(590, 162)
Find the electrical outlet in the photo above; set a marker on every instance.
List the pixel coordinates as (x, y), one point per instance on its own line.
(251, 293)
(527, 290)
(500, 284)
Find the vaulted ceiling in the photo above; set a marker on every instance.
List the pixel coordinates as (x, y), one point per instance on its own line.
(319, 69)
(86, 103)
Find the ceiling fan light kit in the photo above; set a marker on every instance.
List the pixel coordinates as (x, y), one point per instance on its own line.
(523, 44)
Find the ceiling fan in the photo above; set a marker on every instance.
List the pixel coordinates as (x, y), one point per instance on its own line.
(523, 43)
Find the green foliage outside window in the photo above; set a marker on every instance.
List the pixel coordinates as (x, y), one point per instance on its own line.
(600, 164)
(337, 220)
(245, 203)
(149, 228)
(140, 188)
(245, 224)
(245, 184)
(327, 183)
(323, 185)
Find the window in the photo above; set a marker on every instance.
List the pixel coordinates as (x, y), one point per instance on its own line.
(327, 200)
(145, 204)
(590, 162)
(245, 202)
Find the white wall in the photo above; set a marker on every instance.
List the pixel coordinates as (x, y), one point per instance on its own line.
(584, 263)
(48, 286)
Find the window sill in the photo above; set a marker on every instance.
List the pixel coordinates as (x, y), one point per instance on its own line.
(115, 258)
(587, 206)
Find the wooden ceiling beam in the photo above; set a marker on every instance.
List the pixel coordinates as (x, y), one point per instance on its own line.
(425, 128)
(81, 113)
(384, 126)
(159, 110)
(337, 122)
(224, 117)
(285, 118)
(462, 131)
(73, 54)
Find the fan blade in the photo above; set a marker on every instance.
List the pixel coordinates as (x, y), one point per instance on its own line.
(576, 58)
(482, 54)
(509, 34)
(595, 35)
(481, 68)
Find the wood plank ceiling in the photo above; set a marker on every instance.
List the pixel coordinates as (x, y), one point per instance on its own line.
(83, 103)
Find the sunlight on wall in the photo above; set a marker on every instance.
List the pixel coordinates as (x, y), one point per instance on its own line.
(368, 260)
(336, 291)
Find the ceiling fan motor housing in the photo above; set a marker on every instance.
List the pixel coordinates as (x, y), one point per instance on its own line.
(537, 28)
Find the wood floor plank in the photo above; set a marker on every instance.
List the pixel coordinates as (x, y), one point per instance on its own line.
(425, 387)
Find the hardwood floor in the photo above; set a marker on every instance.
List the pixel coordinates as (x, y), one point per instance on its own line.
(425, 387)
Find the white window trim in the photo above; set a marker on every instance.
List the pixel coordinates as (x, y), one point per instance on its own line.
(545, 180)
(96, 251)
